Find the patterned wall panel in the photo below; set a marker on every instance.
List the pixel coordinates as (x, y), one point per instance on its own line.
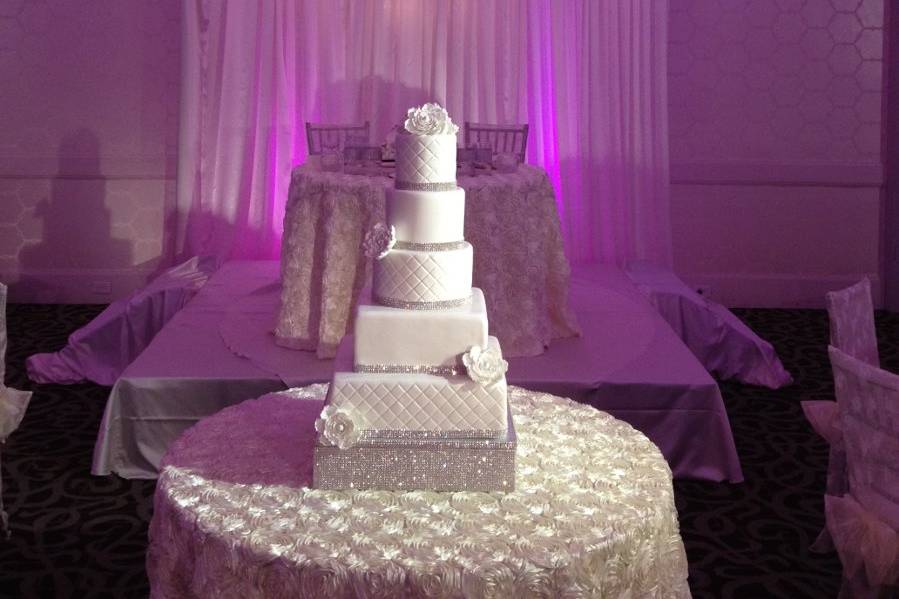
(775, 120)
(89, 145)
(794, 82)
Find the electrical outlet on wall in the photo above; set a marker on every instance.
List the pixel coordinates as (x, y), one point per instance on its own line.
(101, 287)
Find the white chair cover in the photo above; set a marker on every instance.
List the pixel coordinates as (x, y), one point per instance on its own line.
(852, 330)
(103, 348)
(851, 314)
(13, 404)
(864, 523)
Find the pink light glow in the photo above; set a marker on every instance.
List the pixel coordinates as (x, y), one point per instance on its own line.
(533, 62)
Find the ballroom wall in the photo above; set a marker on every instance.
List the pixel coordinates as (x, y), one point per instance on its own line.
(89, 114)
(891, 163)
(775, 114)
(775, 125)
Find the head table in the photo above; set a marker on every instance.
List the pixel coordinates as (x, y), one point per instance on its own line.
(510, 219)
(592, 515)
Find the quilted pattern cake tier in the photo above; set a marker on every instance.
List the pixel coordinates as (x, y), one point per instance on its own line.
(414, 276)
(425, 159)
(421, 402)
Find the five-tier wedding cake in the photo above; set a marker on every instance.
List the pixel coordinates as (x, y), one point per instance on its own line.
(418, 398)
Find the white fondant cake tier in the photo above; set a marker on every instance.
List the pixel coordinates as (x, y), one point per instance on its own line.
(394, 337)
(425, 159)
(405, 277)
(454, 405)
(427, 216)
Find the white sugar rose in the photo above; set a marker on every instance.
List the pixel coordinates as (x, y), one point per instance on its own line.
(485, 365)
(430, 119)
(379, 240)
(337, 427)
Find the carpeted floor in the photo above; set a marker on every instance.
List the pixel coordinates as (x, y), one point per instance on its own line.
(75, 535)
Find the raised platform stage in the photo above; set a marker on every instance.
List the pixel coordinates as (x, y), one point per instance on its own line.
(219, 351)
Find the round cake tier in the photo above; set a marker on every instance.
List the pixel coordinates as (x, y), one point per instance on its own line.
(426, 162)
(427, 217)
(424, 280)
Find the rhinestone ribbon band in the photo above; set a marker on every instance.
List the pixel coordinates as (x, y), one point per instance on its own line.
(392, 302)
(471, 438)
(430, 247)
(406, 369)
(439, 460)
(429, 186)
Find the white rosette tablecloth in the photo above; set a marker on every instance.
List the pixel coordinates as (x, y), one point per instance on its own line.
(592, 515)
(510, 219)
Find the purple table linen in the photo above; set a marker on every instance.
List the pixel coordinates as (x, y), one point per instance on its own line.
(101, 350)
(220, 350)
(627, 362)
(719, 340)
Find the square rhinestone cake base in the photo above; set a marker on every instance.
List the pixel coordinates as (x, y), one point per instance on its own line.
(419, 464)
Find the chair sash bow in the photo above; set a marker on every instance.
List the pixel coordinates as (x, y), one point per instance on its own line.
(862, 539)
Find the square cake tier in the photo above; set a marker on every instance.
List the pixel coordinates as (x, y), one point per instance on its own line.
(413, 404)
(395, 337)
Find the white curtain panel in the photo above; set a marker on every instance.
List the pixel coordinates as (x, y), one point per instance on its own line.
(589, 76)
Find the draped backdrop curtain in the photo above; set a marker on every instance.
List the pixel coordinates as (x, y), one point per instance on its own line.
(589, 76)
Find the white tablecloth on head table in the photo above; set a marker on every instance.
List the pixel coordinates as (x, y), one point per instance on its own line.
(592, 514)
(219, 351)
(510, 219)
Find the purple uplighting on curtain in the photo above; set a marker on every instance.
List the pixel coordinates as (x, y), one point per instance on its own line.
(587, 75)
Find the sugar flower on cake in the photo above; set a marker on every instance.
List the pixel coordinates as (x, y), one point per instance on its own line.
(484, 365)
(430, 119)
(337, 427)
(379, 240)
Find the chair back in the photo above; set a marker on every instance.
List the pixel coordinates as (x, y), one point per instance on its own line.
(869, 415)
(504, 139)
(851, 314)
(322, 137)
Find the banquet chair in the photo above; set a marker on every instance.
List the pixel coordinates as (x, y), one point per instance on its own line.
(864, 522)
(503, 139)
(13, 404)
(334, 137)
(851, 315)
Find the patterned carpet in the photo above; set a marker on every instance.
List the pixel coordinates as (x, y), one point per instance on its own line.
(75, 535)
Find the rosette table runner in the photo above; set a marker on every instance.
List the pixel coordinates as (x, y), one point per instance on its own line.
(593, 514)
(510, 219)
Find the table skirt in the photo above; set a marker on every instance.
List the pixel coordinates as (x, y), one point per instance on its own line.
(510, 219)
(593, 514)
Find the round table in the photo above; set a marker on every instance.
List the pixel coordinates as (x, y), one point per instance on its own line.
(510, 219)
(592, 515)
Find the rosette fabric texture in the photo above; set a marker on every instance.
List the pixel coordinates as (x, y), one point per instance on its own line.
(592, 515)
(333, 211)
